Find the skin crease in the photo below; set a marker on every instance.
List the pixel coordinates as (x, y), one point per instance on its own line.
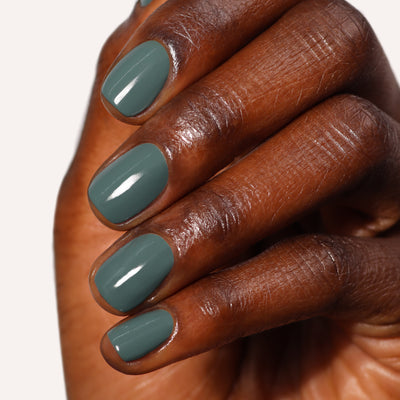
(329, 327)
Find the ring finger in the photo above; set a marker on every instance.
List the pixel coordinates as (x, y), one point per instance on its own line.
(338, 146)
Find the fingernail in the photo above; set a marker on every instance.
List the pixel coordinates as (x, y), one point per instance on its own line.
(144, 3)
(129, 184)
(134, 83)
(139, 336)
(131, 274)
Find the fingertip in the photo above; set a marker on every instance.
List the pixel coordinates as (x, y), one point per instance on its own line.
(109, 106)
(112, 357)
(130, 271)
(129, 184)
(135, 82)
(134, 345)
(97, 295)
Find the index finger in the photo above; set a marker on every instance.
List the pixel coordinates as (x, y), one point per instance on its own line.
(177, 44)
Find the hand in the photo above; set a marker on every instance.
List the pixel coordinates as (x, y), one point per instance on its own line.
(261, 203)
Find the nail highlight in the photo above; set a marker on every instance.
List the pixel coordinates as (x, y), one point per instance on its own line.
(129, 184)
(139, 336)
(131, 274)
(134, 83)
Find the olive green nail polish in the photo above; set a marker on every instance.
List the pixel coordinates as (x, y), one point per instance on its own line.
(130, 183)
(134, 83)
(131, 274)
(144, 3)
(138, 336)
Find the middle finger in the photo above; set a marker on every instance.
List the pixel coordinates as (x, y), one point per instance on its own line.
(326, 151)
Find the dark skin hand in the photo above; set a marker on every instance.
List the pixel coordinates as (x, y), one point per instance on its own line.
(286, 277)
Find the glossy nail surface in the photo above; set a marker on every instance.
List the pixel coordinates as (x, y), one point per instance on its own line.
(131, 274)
(137, 79)
(144, 3)
(130, 183)
(136, 337)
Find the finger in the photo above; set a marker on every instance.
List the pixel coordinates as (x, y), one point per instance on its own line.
(295, 280)
(178, 43)
(233, 109)
(327, 151)
(96, 140)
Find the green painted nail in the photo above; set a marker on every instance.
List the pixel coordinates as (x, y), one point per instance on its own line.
(138, 336)
(130, 183)
(131, 274)
(145, 2)
(134, 83)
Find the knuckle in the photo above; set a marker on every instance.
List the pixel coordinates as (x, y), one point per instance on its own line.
(221, 212)
(362, 126)
(183, 27)
(323, 259)
(202, 115)
(353, 27)
(339, 33)
(226, 296)
(219, 114)
(219, 296)
(212, 222)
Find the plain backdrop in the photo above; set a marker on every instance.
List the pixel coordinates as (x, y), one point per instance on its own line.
(48, 55)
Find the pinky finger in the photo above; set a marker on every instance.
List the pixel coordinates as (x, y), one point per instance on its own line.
(297, 279)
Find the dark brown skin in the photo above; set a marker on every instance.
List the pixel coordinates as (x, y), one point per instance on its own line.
(289, 287)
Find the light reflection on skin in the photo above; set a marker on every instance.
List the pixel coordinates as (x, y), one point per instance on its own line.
(129, 275)
(125, 186)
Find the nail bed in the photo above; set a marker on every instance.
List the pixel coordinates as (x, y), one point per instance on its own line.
(139, 336)
(131, 274)
(130, 183)
(137, 79)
